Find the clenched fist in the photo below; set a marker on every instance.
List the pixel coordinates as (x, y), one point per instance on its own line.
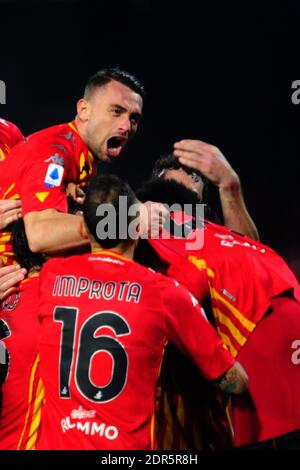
(153, 218)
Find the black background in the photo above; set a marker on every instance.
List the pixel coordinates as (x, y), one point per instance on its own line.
(218, 71)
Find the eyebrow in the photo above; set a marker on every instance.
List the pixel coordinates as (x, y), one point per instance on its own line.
(118, 106)
(134, 115)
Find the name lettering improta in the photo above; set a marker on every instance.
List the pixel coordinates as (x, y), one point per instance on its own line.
(71, 286)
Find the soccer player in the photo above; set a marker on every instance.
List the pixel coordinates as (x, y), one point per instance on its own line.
(40, 168)
(21, 389)
(19, 379)
(255, 305)
(198, 157)
(39, 173)
(105, 323)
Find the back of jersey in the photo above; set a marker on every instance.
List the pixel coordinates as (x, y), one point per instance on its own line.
(101, 347)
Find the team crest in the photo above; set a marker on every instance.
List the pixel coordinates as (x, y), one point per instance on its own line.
(11, 302)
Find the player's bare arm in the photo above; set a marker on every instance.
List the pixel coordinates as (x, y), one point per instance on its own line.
(235, 380)
(50, 231)
(10, 211)
(153, 214)
(210, 161)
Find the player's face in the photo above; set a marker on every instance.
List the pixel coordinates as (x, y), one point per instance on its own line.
(114, 114)
(187, 180)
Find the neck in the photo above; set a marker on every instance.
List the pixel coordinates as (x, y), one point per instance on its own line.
(80, 128)
(125, 250)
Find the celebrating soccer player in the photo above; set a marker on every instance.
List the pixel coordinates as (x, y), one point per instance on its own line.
(105, 323)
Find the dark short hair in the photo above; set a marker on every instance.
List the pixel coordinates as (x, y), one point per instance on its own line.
(167, 192)
(106, 189)
(170, 162)
(106, 75)
(172, 192)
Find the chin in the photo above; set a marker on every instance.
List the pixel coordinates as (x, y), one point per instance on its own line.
(101, 156)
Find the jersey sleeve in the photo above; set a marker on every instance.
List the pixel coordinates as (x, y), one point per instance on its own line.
(187, 327)
(10, 135)
(44, 181)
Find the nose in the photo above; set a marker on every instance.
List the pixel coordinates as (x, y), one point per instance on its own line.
(124, 124)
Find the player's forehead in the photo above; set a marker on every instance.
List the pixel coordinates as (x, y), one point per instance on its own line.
(176, 173)
(116, 93)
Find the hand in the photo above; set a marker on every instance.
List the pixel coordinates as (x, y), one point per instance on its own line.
(235, 380)
(9, 277)
(208, 160)
(153, 218)
(10, 211)
(76, 193)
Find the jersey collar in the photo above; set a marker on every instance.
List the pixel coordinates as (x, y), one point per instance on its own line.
(114, 254)
(87, 164)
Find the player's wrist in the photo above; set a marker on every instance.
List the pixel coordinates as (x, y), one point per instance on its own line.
(230, 184)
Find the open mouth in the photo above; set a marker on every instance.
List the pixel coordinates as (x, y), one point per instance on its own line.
(115, 145)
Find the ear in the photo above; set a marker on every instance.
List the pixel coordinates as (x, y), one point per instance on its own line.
(83, 230)
(138, 229)
(83, 110)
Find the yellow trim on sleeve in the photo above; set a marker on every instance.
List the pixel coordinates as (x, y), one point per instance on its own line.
(228, 343)
(231, 327)
(249, 325)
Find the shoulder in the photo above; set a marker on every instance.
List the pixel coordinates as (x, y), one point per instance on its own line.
(149, 274)
(61, 265)
(175, 296)
(52, 265)
(58, 139)
(10, 133)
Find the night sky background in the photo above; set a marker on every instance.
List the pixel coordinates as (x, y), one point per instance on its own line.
(218, 71)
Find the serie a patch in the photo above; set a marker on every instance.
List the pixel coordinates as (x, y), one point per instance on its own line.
(53, 176)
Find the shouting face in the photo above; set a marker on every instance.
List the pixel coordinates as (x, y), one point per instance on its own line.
(108, 118)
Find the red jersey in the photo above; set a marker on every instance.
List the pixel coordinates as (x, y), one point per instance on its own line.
(240, 275)
(10, 135)
(271, 406)
(39, 170)
(105, 322)
(21, 387)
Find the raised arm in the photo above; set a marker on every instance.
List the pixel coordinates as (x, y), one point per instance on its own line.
(213, 165)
